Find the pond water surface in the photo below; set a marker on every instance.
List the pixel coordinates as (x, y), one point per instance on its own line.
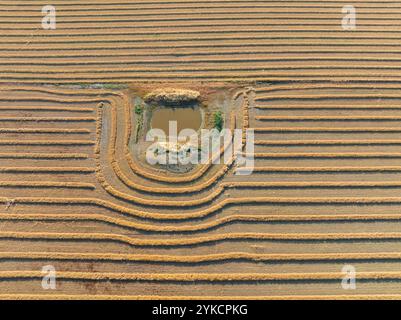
(186, 117)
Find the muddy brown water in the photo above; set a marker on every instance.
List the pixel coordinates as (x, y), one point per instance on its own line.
(187, 118)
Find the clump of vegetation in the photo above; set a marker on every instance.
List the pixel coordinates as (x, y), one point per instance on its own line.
(218, 120)
(83, 85)
(139, 120)
(114, 86)
(138, 109)
(172, 97)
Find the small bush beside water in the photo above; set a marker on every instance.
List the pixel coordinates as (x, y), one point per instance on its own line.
(218, 120)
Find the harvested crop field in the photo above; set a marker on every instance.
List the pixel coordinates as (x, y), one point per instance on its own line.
(77, 195)
(325, 192)
(223, 40)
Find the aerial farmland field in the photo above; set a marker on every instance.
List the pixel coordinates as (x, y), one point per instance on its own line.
(300, 199)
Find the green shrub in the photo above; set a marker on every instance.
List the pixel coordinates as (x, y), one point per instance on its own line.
(218, 120)
(138, 109)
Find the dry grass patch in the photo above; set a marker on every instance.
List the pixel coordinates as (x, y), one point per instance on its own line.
(172, 97)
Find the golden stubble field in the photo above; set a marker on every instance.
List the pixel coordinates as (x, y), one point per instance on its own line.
(325, 192)
(186, 40)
